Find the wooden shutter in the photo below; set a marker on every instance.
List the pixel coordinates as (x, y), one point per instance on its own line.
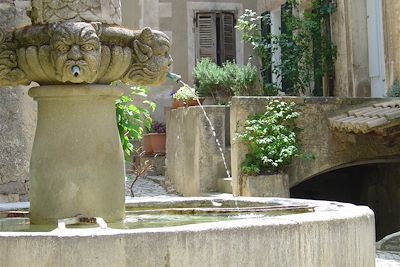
(206, 36)
(227, 30)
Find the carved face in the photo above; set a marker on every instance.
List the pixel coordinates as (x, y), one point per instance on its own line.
(151, 58)
(75, 51)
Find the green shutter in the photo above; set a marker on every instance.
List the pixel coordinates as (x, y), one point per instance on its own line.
(228, 48)
(265, 33)
(206, 36)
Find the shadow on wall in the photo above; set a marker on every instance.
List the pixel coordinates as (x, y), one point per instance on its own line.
(373, 185)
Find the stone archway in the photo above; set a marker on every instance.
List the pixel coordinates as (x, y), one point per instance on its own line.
(375, 184)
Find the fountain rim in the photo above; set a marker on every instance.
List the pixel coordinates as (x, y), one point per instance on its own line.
(324, 211)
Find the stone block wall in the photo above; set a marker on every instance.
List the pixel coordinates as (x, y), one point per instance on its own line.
(15, 13)
(17, 118)
(193, 161)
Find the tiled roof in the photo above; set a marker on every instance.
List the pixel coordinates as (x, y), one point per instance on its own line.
(368, 119)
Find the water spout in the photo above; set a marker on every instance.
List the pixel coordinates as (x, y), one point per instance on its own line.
(76, 71)
(174, 77)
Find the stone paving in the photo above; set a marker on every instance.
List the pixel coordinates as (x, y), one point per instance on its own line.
(151, 186)
(387, 259)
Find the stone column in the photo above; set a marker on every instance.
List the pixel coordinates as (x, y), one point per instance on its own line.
(77, 165)
(391, 21)
(17, 117)
(74, 50)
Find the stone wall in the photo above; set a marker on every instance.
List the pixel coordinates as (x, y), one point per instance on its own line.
(17, 118)
(331, 149)
(193, 159)
(15, 13)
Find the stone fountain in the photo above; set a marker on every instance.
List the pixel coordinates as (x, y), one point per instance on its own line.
(74, 50)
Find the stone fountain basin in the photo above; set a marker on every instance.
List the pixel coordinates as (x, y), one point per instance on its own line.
(334, 234)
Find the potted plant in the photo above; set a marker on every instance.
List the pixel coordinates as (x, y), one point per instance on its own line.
(185, 96)
(272, 143)
(222, 82)
(154, 141)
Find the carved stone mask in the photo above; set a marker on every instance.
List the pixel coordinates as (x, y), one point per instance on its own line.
(151, 58)
(75, 51)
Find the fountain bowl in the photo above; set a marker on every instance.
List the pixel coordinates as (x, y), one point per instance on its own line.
(318, 233)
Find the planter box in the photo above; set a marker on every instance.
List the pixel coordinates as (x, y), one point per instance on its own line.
(154, 143)
(275, 185)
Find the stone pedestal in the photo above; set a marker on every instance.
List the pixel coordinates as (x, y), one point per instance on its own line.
(77, 164)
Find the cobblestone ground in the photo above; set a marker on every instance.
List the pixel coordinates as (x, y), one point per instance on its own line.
(387, 259)
(150, 186)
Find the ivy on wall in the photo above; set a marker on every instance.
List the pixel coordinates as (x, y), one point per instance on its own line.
(307, 52)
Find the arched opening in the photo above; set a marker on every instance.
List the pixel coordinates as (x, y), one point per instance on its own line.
(374, 185)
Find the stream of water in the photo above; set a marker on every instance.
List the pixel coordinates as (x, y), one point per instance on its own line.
(213, 131)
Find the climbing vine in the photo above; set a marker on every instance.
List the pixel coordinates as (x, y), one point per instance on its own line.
(306, 50)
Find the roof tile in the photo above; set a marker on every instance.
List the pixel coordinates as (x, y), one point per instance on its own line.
(367, 119)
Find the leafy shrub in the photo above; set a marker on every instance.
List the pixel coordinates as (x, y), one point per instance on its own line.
(208, 77)
(132, 119)
(395, 90)
(242, 80)
(271, 138)
(226, 81)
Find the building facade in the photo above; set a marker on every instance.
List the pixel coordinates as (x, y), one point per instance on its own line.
(366, 36)
(364, 33)
(196, 29)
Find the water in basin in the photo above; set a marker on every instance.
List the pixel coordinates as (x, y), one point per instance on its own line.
(18, 221)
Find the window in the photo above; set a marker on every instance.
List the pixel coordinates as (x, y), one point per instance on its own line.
(215, 36)
(281, 73)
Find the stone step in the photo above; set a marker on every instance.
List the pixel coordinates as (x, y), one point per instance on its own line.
(224, 185)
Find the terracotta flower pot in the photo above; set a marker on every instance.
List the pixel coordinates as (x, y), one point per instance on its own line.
(154, 143)
(179, 103)
(147, 147)
(158, 142)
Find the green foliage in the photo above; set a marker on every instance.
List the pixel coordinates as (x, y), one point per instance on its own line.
(271, 139)
(208, 76)
(242, 80)
(185, 93)
(132, 119)
(307, 54)
(250, 25)
(228, 80)
(395, 90)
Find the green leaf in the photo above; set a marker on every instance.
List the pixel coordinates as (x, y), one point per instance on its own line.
(131, 119)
